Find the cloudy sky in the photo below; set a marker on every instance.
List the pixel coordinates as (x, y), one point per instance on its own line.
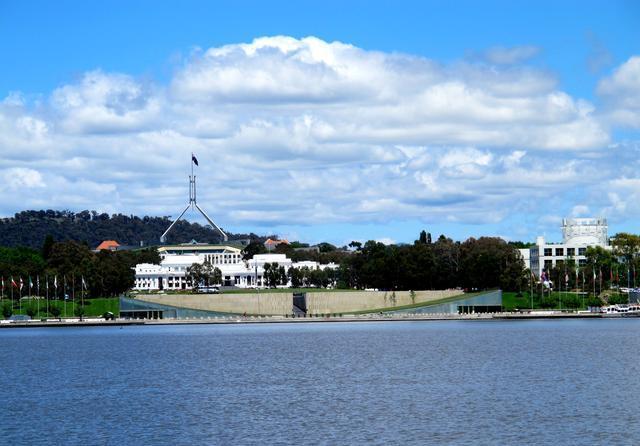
(334, 123)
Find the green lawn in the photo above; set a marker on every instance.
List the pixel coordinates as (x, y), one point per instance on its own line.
(555, 301)
(93, 307)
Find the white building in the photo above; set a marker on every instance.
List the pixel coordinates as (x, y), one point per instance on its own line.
(176, 259)
(577, 235)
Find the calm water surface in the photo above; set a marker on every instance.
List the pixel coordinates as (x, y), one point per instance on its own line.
(451, 383)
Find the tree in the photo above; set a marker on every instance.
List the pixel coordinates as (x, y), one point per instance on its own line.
(79, 311)
(7, 310)
(274, 274)
(196, 275)
(55, 310)
(31, 311)
(253, 248)
(295, 277)
(490, 262)
(216, 276)
(47, 246)
(599, 265)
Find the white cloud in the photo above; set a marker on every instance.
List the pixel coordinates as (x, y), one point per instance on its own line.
(304, 132)
(17, 178)
(507, 56)
(621, 93)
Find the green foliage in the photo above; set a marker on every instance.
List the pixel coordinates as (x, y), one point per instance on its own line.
(521, 245)
(569, 300)
(31, 229)
(55, 310)
(20, 262)
(79, 310)
(548, 302)
(274, 275)
(616, 298)
(253, 248)
(594, 301)
(203, 274)
(47, 246)
(31, 310)
(7, 310)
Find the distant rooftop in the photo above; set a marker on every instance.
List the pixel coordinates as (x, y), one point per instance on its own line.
(110, 245)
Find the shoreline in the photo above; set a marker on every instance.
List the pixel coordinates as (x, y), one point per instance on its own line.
(343, 319)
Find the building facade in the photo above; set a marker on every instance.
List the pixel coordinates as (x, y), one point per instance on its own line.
(577, 235)
(175, 260)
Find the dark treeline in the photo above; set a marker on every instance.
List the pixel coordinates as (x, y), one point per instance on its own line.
(482, 263)
(105, 273)
(29, 229)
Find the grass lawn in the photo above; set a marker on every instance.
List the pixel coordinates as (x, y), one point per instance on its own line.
(93, 307)
(511, 301)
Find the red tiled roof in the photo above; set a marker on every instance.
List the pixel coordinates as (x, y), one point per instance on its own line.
(275, 242)
(108, 244)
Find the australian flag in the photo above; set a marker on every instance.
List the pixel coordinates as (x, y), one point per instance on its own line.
(194, 159)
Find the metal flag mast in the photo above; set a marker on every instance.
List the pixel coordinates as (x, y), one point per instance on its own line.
(194, 205)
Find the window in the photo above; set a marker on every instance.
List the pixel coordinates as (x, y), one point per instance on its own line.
(571, 251)
(548, 264)
(582, 251)
(548, 252)
(560, 252)
(582, 262)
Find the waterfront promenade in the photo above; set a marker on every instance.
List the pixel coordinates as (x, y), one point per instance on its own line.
(92, 322)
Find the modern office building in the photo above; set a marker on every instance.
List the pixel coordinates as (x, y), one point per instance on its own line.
(577, 235)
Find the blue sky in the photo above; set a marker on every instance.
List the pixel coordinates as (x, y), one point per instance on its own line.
(101, 101)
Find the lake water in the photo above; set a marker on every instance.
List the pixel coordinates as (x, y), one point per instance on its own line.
(445, 383)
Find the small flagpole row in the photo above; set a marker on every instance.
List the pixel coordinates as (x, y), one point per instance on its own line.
(17, 284)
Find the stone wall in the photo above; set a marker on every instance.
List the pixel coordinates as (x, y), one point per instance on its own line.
(320, 302)
(352, 301)
(250, 303)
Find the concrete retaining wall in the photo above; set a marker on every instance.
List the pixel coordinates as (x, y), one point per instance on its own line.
(352, 301)
(250, 303)
(282, 303)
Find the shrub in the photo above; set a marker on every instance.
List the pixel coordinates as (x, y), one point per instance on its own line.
(55, 311)
(7, 310)
(31, 311)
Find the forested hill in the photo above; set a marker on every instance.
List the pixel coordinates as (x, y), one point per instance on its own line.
(29, 229)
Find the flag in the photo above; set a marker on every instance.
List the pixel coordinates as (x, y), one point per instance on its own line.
(55, 281)
(30, 283)
(566, 277)
(21, 283)
(84, 284)
(13, 282)
(194, 159)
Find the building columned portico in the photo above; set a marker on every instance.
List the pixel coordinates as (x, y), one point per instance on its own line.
(171, 274)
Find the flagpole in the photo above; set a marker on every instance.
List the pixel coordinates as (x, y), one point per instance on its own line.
(583, 287)
(82, 291)
(38, 292)
(46, 278)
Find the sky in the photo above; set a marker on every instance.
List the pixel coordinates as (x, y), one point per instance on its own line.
(325, 121)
